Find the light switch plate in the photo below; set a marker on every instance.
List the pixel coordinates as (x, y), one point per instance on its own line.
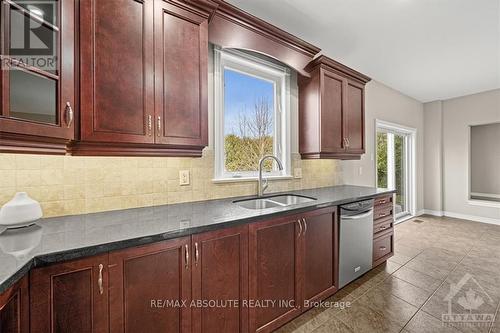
(184, 177)
(297, 173)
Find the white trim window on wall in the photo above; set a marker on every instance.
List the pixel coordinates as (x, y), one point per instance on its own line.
(252, 115)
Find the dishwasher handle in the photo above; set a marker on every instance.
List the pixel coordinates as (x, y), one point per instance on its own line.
(357, 217)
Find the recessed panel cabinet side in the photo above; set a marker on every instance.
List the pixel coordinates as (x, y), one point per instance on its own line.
(275, 273)
(14, 308)
(70, 297)
(181, 72)
(220, 276)
(355, 117)
(117, 71)
(320, 254)
(150, 288)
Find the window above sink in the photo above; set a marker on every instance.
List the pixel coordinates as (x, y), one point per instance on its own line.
(252, 115)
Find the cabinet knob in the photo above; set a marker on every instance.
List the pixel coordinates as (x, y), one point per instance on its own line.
(70, 115)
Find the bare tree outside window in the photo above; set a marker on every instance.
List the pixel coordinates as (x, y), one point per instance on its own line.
(251, 139)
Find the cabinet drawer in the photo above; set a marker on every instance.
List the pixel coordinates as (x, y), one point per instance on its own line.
(383, 246)
(382, 200)
(383, 225)
(383, 211)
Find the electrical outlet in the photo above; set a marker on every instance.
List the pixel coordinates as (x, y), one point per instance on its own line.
(297, 173)
(360, 170)
(184, 177)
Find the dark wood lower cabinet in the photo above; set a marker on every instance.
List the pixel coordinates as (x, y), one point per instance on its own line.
(14, 308)
(220, 281)
(320, 255)
(70, 296)
(274, 271)
(250, 278)
(150, 288)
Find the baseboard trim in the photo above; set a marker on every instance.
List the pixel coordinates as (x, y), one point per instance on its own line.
(482, 219)
(474, 218)
(433, 212)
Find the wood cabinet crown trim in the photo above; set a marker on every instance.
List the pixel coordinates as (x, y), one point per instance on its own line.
(330, 64)
(248, 21)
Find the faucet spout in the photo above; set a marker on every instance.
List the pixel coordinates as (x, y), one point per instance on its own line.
(261, 187)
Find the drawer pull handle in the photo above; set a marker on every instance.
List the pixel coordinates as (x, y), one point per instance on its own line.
(383, 248)
(99, 280)
(159, 126)
(196, 254)
(383, 215)
(186, 256)
(70, 115)
(150, 125)
(382, 228)
(305, 225)
(382, 202)
(300, 227)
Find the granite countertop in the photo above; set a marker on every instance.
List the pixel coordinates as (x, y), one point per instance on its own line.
(57, 239)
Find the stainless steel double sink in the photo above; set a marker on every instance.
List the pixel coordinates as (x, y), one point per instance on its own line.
(282, 200)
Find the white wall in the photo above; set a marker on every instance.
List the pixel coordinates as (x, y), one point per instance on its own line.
(458, 115)
(387, 104)
(433, 156)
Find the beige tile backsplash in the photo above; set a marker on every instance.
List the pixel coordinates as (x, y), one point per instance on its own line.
(68, 185)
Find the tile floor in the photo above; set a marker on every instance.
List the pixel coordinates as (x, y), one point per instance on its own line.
(440, 265)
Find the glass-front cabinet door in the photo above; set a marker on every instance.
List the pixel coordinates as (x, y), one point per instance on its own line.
(37, 75)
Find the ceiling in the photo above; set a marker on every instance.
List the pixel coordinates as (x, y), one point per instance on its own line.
(427, 49)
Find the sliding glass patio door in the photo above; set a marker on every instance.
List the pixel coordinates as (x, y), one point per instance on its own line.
(394, 156)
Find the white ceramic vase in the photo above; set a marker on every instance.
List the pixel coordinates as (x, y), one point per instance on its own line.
(20, 211)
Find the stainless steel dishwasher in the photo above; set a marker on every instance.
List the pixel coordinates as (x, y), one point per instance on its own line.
(356, 240)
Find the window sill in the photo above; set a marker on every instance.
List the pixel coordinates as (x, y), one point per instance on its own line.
(250, 179)
(484, 203)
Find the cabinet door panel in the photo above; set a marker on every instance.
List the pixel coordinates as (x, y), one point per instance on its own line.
(274, 270)
(181, 37)
(67, 298)
(332, 104)
(220, 274)
(355, 117)
(14, 308)
(117, 85)
(47, 76)
(141, 276)
(320, 254)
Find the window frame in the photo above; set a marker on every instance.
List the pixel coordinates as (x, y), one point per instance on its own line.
(262, 69)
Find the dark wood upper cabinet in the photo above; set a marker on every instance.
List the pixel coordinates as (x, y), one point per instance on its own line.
(220, 274)
(117, 71)
(70, 296)
(181, 72)
(37, 81)
(274, 272)
(144, 78)
(320, 255)
(140, 276)
(332, 111)
(14, 308)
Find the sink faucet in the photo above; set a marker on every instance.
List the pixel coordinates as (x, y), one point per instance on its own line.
(262, 188)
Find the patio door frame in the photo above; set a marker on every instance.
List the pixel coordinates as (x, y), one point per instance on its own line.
(410, 162)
